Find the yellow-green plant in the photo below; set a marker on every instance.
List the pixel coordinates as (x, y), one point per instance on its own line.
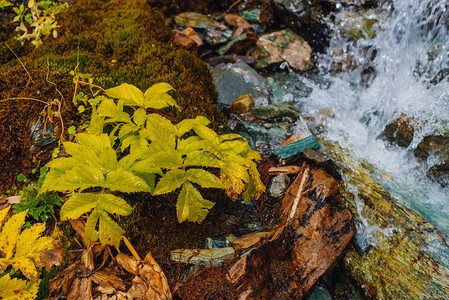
(21, 251)
(41, 19)
(4, 3)
(145, 152)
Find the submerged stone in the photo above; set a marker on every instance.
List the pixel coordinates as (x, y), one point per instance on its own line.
(284, 89)
(435, 146)
(236, 79)
(197, 20)
(359, 25)
(400, 131)
(284, 45)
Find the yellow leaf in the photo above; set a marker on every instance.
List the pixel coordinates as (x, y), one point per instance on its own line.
(191, 205)
(3, 214)
(17, 289)
(26, 266)
(110, 233)
(170, 181)
(203, 178)
(10, 233)
(130, 94)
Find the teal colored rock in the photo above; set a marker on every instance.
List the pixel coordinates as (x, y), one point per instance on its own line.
(237, 45)
(284, 89)
(297, 147)
(320, 293)
(197, 20)
(251, 15)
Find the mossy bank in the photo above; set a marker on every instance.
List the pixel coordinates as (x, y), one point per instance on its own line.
(122, 41)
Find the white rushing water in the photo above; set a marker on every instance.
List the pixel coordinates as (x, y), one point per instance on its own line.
(411, 51)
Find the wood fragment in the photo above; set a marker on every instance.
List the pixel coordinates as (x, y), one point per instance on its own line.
(283, 170)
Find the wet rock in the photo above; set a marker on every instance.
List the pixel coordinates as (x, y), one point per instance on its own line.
(278, 112)
(291, 140)
(280, 46)
(239, 45)
(263, 136)
(251, 15)
(315, 229)
(297, 147)
(354, 2)
(407, 257)
(236, 21)
(304, 19)
(279, 185)
(217, 36)
(284, 89)
(230, 58)
(204, 257)
(400, 131)
(320, 292)
(435, 146)
(242, 104)
(43, 133)
(324, 161)
(197, 20)
(187, 42)
(236, 79)
(250, 240)
(219, 242)
(342, 58)
(440, 173)
(359, 25)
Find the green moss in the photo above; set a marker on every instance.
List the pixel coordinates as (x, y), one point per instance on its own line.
(117, 42)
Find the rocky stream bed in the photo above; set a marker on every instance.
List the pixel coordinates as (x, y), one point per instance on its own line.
(294, 78)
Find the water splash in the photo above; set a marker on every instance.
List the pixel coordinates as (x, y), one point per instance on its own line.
(404, 70)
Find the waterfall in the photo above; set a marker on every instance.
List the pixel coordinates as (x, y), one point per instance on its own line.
(403, 70)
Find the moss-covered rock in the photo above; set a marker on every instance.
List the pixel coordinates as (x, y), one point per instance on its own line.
(117, 42)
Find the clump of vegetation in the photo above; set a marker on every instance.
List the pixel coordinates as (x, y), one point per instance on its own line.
(145, 152)
(21, 254)
(39, 207)
(124, 41)
(38, 20)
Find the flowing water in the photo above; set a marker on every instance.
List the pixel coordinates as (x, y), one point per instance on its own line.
(400, 71)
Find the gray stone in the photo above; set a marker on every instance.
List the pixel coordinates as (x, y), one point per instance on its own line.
(276, 112)
(217, 36)
(279, 185)
(236, 79)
